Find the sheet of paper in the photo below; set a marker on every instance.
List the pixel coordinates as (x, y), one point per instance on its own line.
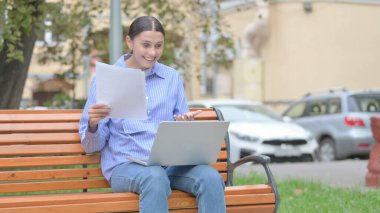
(122, 89)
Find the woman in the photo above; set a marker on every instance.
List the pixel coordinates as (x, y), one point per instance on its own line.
(118, 139)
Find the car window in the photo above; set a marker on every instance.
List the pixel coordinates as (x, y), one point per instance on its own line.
(334, 106)
(247, 113)
(296, 110)
(316, 108)
(365, 103)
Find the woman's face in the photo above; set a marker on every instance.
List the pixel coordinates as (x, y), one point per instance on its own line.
(147, 49)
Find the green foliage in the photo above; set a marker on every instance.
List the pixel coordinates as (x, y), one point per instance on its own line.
(60, 100)
(308, 196)
(17, 19)
(71, 22)
(185, 21)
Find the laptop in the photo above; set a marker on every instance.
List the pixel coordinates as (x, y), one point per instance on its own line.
(186, 143)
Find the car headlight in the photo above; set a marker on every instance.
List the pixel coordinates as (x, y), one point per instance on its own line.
(245, 137)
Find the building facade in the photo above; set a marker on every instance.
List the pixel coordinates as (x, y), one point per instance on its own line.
(306, 45)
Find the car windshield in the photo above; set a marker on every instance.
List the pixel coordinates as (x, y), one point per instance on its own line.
(247, 113)
(365, 103)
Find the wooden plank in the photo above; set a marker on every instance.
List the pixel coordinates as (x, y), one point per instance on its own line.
(222, 156)
(72, 198)
(130, 206)
(248, 189)
(30, 150)
(94, 197)
(224, 146)
(6, 128)
(69, 198)
(48, 161)
(116, 206)
(251, 208)
(53, 185)
(220, 166)
(59, 185)
(57, 149)
(40, 138)
(129, 203)
(235, 209)
(203, 109)
(43, 118)
(50, 111)
(206, 115)
(250, 199)
(50, 174)
(62, 173)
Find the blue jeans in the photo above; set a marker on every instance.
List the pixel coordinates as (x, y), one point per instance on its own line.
(154, 183)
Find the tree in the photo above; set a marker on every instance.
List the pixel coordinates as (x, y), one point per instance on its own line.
(22, 23)
(17, 37)
(72, 20)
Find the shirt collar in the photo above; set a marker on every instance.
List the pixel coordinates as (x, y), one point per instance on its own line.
(155, 70)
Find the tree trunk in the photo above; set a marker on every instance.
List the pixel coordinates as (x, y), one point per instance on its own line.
(14, 73)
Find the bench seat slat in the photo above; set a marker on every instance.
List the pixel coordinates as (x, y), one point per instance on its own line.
(206, 115)
(66, 161)
(121, 206)
(33, 118)
(6, 128)
(69, 184)
(222, 156)
(21, 200)
(53, 185)
(249, 196)
(40, 138)
(235, 209)
(249, 209)
(30, 150)
(56, 149)
(50, 111)
(66, 173)
(50, 174)
(49, 161)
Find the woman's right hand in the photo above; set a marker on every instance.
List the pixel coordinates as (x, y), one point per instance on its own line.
(96, 113)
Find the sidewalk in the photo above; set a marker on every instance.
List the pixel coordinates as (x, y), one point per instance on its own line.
(347, 173)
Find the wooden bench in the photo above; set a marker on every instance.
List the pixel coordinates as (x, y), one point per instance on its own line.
(43, 168)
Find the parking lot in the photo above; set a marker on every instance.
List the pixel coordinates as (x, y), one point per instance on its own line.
(347, 173)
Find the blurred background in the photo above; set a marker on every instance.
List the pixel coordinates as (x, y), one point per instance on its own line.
(298, 79)
(271, 51)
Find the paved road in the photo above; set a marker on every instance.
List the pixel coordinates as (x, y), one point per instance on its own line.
(347, 173)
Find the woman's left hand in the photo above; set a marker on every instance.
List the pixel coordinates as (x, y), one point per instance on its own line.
(187, 116)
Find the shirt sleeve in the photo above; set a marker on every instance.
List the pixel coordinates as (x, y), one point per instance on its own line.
(92, 141)
(181, 106)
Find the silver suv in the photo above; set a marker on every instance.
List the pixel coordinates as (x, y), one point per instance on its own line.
(339, 120)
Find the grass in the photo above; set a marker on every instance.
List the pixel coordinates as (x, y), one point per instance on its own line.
(304, 196)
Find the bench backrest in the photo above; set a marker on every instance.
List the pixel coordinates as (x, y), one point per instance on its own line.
(40, 150)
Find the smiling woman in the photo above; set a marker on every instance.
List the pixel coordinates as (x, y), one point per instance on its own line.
(120, 140)
(145, 39)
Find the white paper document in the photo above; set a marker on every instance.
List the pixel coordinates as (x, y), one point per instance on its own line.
(122, 89)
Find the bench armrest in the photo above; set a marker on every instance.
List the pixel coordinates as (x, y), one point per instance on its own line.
(263, 160)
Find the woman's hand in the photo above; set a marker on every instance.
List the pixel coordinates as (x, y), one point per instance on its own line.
(96, 113)
(187, 116)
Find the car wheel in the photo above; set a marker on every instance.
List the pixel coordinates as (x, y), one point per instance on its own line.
(327, 150)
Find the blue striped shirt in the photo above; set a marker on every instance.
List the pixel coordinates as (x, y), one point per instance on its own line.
(118, 139)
